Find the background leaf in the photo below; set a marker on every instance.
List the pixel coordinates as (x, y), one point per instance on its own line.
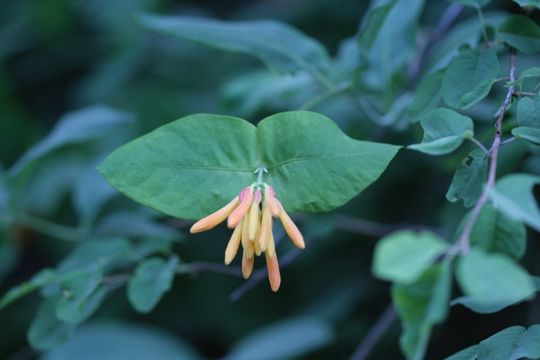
(403, 256)
(276, 44)
(467, 183)
(475, 276)
(521, 33)
(281, 340)
(428, 96)
(444, 132)
(153, 278)
(513, 196)
(116, 341)
(420, 306)
(46, 331)
(469, 77)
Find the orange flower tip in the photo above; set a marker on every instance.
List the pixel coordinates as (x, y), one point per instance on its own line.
(274, 276)
(247, 266)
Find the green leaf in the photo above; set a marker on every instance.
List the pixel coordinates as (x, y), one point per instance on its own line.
(512, 343)
(403, 256)
(469, 77)
(444, 131)
(478, 306)
(428, 96)
(522, 33)
(91, 192)
(393, 46)
(135, 224)
(153, 278)
(375, 21)
(470, 353)
(74, 128)
(529, 3)
(43, 278)
(532, 72)
(529, 112)
(197, 164)
(467, 183)
(513, 196)
(420, 306)
(278, 45)
(527, 133)
(496, 232)
(283, 340)
(475, 274)
(46, 331)
(89, 253)
(120, 341)
(472, 3)
(81, 295)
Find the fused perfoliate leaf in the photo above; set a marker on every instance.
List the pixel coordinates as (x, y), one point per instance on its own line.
(196, 165)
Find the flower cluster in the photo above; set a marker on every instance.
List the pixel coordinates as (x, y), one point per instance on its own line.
(251, 215)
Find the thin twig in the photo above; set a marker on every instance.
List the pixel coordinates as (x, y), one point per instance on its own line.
(46, 227)
(445, 23)
(385, 320)
(324, 96)
(480, 145)
(199, 266)
(462, 245)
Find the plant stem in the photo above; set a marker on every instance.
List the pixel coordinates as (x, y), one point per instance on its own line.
(49, 228)
(462, 245)
(324, 96)
(480, 145)
(385, 320)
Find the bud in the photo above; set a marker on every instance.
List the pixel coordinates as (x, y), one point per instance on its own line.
(274, 276)
(291, 230)
(215, 218)
(233, 245)
(245, 197)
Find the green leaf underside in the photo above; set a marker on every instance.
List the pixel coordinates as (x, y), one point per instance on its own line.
(522, 33)
(469, 178)
(427, 97)
(530, 3)
(469, 77)
(46, 331)
(197, 164)
(527, 133)
(472, 3)
(529, 112)
(513, 196)
(444, 131)
(402, 257)
(367, 36)
(152, 279)
(278, 45)
(530, 73)
(420, 306)
(496, 232)
(274, 341)
(475, 276)
(512, 343)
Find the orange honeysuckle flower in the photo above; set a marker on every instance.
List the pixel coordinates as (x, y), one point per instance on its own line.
(251, 214)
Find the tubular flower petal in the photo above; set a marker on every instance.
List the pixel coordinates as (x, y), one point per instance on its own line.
(254, 215)
(215, 218)
(274, 276)
(233, 245)
(272, 202)
(246, 197)
(266, 228)
(246, 244)
(247, 265)
(251, 214)
(291, 230)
